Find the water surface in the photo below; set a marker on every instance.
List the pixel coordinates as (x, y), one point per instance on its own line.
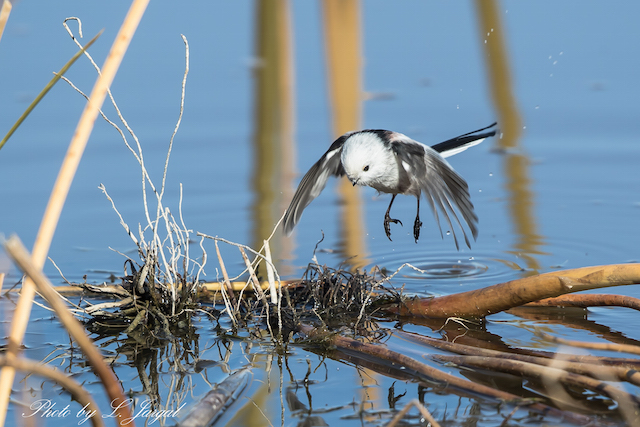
(567, 197)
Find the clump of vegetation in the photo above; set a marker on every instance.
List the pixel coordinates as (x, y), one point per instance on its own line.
(339, 297)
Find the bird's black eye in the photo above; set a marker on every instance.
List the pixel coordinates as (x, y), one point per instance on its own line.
(366, 168)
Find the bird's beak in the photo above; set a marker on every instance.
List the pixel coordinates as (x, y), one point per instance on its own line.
(354, 182)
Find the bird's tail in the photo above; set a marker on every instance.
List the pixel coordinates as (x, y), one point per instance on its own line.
(462, 142)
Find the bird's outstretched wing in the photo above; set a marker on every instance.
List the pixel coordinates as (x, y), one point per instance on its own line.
(314, 182)
(460, 143)
(444, 189)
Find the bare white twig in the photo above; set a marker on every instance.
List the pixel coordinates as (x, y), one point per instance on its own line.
(239, 245)
(406, 264)
(122, 221)
(163, 239)
(270, 276)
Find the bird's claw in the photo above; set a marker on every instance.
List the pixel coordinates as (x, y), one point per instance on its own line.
(416, 229)
(387, 229)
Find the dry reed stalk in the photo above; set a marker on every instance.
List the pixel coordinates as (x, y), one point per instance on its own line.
(5, 11)
(78, 393)
(1, 281)
(22, 258)
(496, 298)
(61, 189)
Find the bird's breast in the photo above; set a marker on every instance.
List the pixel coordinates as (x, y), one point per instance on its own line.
(387, 183)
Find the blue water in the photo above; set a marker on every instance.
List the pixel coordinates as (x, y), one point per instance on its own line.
(574, 68)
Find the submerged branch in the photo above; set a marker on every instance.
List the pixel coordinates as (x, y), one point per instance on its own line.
(627, 403)
(425, 372)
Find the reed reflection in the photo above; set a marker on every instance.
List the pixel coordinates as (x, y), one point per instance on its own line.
(516, 162)
(273, 169)
(344, 69)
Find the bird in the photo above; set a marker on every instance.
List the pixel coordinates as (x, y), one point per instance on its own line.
(391, 162)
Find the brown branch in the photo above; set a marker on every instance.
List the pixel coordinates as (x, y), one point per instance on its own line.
(378, 351)
(592, 366)
(493, 299)
(588, 300)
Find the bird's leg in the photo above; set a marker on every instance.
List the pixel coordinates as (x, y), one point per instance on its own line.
(388, 219)
(417, 224)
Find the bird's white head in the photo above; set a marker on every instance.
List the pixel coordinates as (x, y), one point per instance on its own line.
(368, 160)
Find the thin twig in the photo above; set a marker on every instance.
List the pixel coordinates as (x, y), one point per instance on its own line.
(270, 277)
(256, 253)
(256, 287)
(227, 290)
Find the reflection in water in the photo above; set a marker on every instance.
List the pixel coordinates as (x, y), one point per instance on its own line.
(499, 75)
(344, 68)
(273, 142)
(342, 39)
(521, 204)
(573, 318)
(522, 210)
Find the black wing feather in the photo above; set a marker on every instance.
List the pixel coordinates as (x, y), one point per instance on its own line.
(465, 139)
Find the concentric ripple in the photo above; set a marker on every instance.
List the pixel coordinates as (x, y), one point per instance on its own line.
(430, 270)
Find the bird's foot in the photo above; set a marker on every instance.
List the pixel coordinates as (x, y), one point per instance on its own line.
(416, 228)
(387, 220)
